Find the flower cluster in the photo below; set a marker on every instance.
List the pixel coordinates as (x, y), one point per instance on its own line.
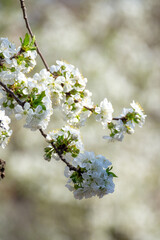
(71, 93)
(126, 122)
(33, 93)
(5, 131)
(67, 141)
(94, 178)
(14, 61)
(35, 98)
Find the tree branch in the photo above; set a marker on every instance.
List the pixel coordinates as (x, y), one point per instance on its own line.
(72, 168)
(24, 10)
(12, 94)
(46, 65)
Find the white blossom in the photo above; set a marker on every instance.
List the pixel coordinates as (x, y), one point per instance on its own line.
(117, 132)
(7, 49)
(94, 179)
(71, 95)
(104, 112)
(38, 117)
(43, 78)
(140, 116)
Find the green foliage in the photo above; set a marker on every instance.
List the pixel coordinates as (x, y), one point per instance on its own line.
(110, 125)
(1, 56)
(27, 44)
(66, 145)
(12, 69)
(108, 170)
(2, 68)
(77, 180)
(36, 99)
(48, 153)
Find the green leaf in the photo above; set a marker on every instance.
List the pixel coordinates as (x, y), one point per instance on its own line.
(11, 105)
(63, 67)
(1, 55)
(3, 68)
(110, 125)
(21, 40)
(43, 107)
(5, 104)
(136, 120)
(108, 170)
(12, 69)
(32, 48)
(113, 174)
(48, 153)
(26, 40)
(40, 97)
(26, 44)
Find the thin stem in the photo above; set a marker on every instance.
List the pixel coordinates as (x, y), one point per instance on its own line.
(16, 55)
(24, 10)
(12, 94)
(71, 168)
(122, 118)
(90, 109)
(116, 119)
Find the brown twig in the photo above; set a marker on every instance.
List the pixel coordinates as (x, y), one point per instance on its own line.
(12, 94)
(24, 10)
(89, 109)
(122, 118)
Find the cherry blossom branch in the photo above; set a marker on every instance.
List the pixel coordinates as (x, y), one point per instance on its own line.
(24, 10)
(23, 7)
(72, 168)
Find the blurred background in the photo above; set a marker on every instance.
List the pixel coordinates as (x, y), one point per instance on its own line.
(116, 45)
